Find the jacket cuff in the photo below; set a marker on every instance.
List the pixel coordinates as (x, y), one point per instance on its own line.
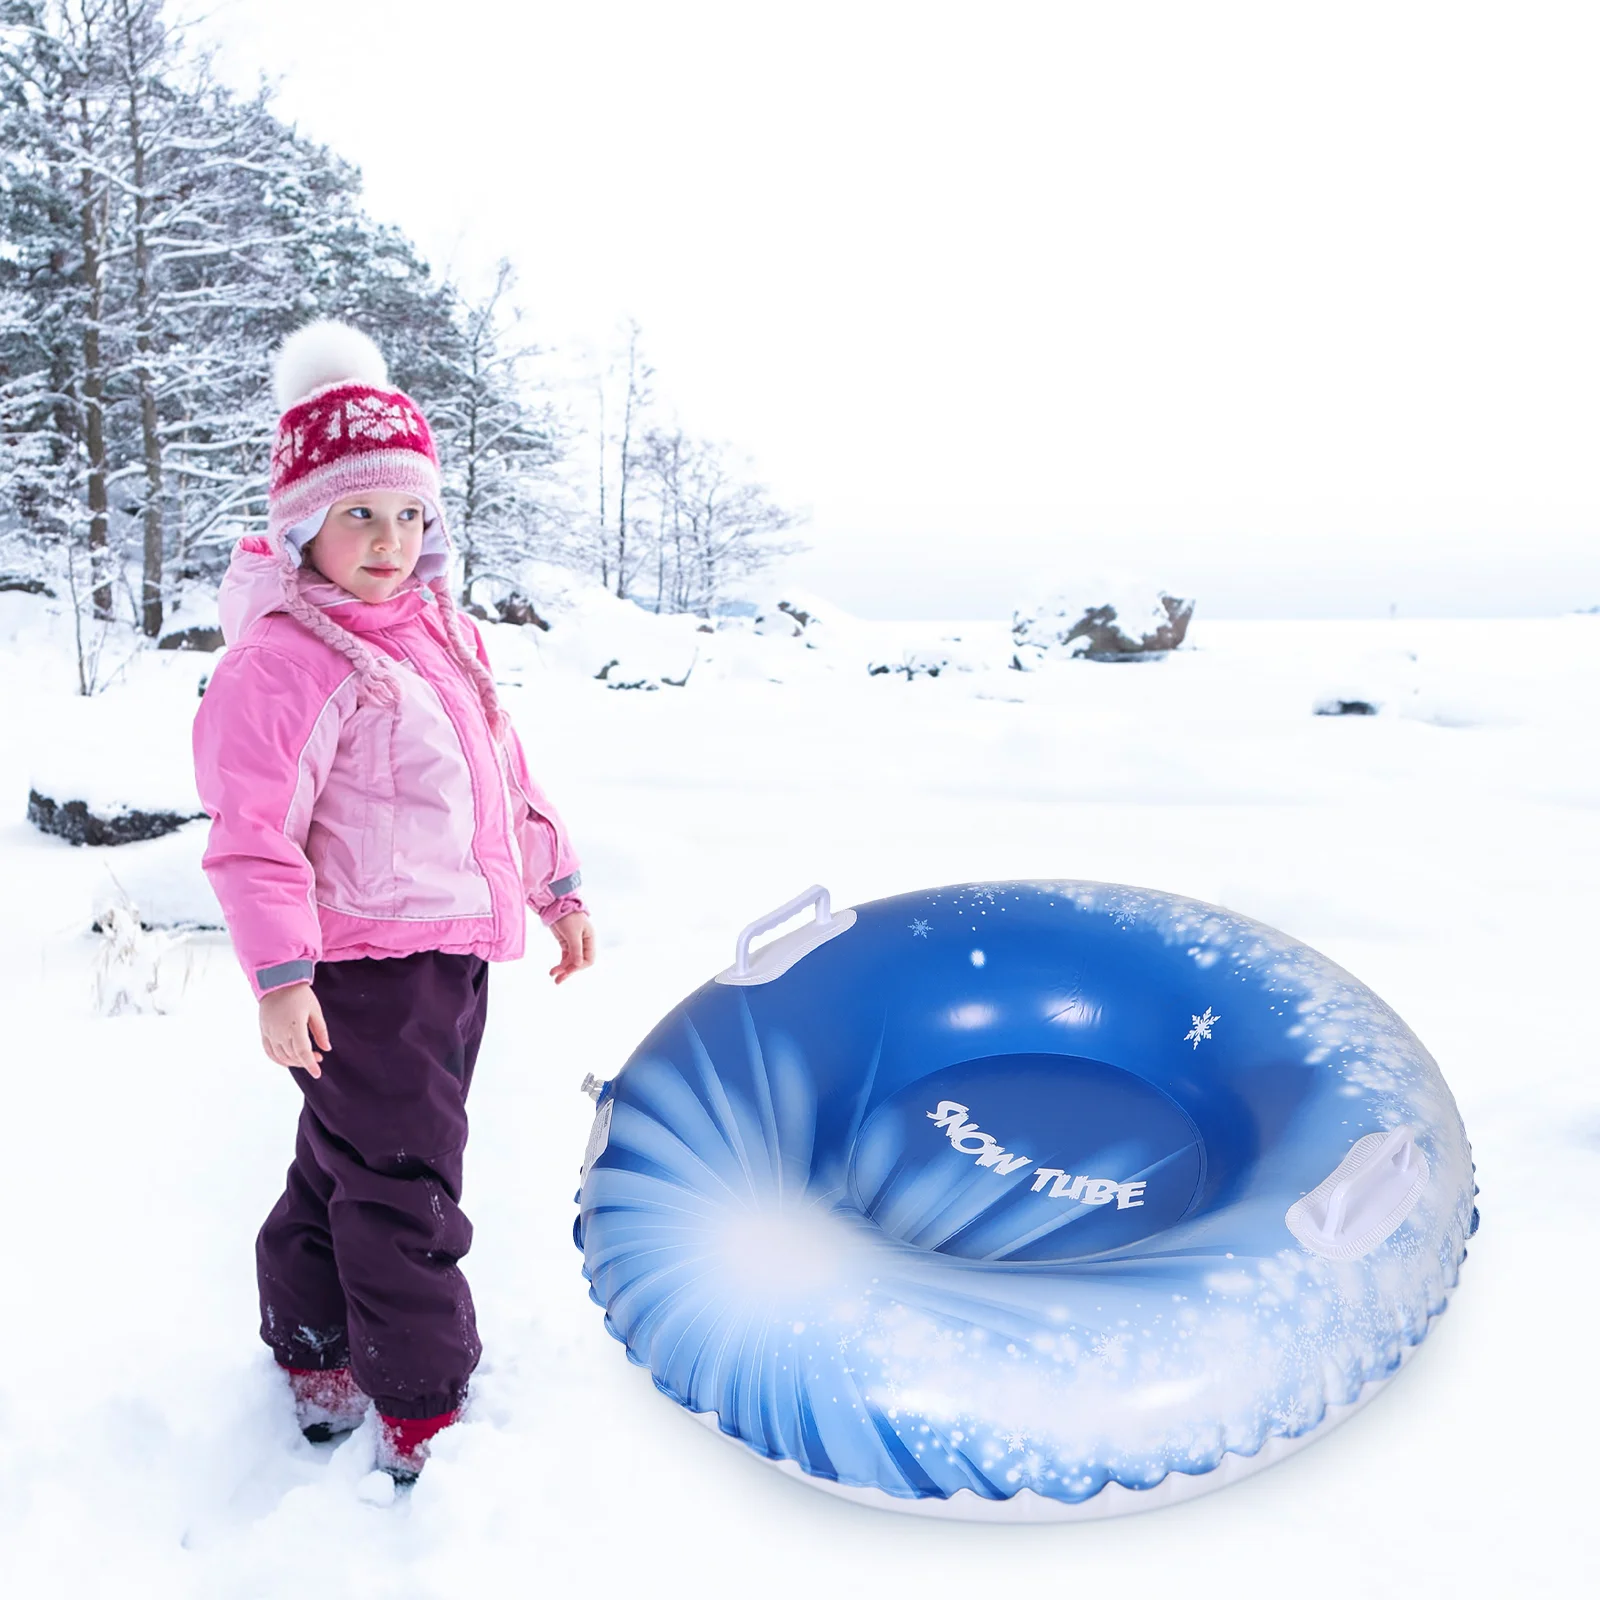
(562, 907)
(266, 979)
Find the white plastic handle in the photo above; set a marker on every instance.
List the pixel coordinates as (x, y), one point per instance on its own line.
(1390, 1172)
(1364, 1199)
(815, 895)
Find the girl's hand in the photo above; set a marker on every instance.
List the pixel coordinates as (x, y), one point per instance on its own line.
(291, 1019)
(576, 939)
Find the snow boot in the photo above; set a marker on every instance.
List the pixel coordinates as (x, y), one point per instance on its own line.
(403, 1443)
(327, 1403)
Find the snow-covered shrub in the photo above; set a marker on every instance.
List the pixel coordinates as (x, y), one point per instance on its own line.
(138, 969)
(912, 663)
(1099, 620)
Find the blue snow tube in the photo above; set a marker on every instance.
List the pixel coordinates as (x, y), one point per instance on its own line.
(1025, 1200)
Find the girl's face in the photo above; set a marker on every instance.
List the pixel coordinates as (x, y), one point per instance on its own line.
(368, 543)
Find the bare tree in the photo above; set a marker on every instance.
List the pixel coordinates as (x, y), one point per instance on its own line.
(613, 550)
(635, 396)
(713, 526)
(499, 441)
(663, 457)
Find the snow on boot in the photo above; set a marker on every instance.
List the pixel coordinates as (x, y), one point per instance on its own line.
(403, 1443)
(327, 1403)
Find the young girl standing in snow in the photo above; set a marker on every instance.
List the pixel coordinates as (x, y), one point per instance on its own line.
(375, 841)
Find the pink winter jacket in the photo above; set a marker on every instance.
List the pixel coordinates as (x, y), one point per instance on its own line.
(341, 830)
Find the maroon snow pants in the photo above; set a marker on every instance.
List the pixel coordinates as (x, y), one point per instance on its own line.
(357, 1262)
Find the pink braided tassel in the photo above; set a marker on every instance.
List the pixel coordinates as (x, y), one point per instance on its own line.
(468, 657)
(377, 683)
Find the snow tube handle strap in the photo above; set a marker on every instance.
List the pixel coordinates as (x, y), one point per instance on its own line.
(777, 957)
(815, 895)
(1364, 1199)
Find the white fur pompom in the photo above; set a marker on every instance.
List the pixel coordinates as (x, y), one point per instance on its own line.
(324, 352)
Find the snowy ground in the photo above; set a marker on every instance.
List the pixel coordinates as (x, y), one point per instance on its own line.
(1444, 850)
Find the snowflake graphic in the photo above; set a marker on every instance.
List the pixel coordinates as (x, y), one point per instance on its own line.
(919, 929)
(1292, 1415)
(1110, 1349)
(372, 417)
(1015, 1440)
(1201, 1029)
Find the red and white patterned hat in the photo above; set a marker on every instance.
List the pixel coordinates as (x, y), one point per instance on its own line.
(343, 431)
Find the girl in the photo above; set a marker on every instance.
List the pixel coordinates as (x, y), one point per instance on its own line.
(375, 839)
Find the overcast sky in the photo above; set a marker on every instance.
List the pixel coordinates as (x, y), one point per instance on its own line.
(1291, 307)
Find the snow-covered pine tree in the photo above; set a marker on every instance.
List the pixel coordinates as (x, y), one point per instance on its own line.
(116, 197)
(61, 172)
(158, 236)
(39, 471)
(272, 236)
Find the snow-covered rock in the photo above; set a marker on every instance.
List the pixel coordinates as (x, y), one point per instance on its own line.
(789, 612)
(199, 637)
(932, 655)
(78, 823)
(596, 635)
(1369, 683)
(191, 610)
(1111, 619)
(785, 620)
(103, 777)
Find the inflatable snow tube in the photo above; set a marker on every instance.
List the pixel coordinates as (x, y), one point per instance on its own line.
(1025, 1200)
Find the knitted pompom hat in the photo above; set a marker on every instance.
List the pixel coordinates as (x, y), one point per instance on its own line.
(345, 431)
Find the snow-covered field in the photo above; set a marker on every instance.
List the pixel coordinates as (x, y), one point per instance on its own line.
(1444, 850)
